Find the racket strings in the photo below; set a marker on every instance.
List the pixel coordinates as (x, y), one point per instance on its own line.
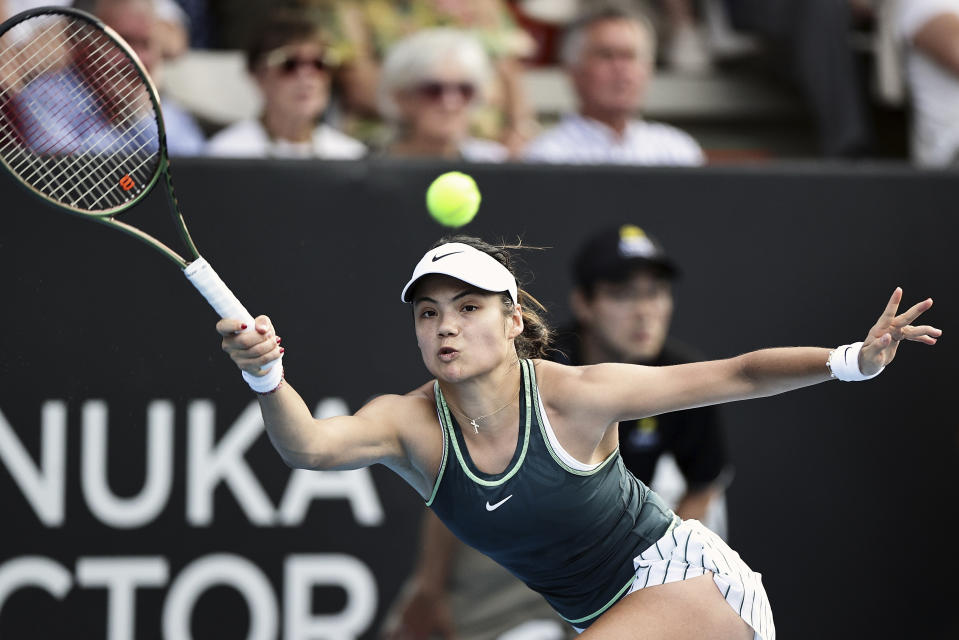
(86, 127)
(82, 132)
(18, 38)
(13, 78)
(43, 63)
(84, 163)
(78, 123)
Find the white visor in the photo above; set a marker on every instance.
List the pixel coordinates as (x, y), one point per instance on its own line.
(465, 263)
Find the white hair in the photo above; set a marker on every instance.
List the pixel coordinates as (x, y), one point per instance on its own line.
(416, 58)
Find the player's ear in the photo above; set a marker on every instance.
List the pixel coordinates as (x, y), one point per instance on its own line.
(515, 324)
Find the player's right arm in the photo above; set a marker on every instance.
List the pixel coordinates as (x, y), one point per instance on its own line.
(342, 442)
(372, 435)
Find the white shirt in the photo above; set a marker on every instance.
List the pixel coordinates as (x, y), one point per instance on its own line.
(480, 150)
(249, 139)
(934, 89)
(581, 140)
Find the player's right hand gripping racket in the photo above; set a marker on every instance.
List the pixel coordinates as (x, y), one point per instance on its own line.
(81, 127)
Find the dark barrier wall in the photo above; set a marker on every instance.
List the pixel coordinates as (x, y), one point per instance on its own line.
(141, 498)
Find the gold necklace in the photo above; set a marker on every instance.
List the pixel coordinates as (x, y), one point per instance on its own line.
(473, 420)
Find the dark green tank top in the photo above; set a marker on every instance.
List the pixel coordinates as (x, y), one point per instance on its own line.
(570, 534)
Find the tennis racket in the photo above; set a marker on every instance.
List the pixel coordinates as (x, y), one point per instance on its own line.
(81, 127)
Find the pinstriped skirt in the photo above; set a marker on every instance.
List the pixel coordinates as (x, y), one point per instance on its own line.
(688, 550)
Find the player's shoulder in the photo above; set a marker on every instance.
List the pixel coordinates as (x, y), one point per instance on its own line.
(416, 401)
(558, 381)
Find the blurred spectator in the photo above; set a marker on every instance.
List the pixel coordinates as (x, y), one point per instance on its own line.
(930, 29)
(173, 26)
(622, 302)
(368, 29)
(137, 22)
(12, 7)
(430, 84)
(686, 50)
(196, 20)
(809, 42)
(608, 54)
(289, 61)
(684, 47)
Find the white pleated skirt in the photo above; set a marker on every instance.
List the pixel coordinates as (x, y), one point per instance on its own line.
(689, 550)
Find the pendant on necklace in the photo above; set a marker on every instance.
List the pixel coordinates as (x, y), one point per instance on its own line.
(475, 426)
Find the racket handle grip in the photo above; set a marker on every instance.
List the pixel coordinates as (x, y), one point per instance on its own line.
(208, 283)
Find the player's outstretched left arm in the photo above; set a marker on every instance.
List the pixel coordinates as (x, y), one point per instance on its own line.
(879, 347)
(616, 392)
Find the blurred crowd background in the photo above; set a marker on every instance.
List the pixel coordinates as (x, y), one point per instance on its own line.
(645, 82)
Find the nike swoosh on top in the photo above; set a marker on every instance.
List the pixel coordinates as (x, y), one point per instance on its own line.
(435, 258)
(494, 507)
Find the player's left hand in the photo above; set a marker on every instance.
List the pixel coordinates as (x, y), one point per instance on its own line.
(879, 347)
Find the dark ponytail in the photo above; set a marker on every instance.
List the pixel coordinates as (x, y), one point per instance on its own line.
(537, 335)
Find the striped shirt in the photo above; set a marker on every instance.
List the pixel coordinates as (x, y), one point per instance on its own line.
(581, 140)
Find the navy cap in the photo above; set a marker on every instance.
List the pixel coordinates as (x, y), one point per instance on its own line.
(614, 254)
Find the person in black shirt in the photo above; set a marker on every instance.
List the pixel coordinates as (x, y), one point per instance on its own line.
(622, 302)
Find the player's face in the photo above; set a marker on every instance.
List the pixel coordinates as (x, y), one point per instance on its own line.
(462, 331)
(628, 321)
(437, 108)
(295, 82)
(614, 67)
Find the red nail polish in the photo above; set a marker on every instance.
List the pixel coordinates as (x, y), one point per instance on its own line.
(282, 350)
(279, 340)
(242, 327)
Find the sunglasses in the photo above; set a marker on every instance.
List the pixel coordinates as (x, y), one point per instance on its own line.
(433, 90)
(289, 64)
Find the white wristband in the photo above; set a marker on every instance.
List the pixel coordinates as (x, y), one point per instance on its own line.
(268, 382)
(843, 363)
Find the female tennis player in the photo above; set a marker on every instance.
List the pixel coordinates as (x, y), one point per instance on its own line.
(519, 457)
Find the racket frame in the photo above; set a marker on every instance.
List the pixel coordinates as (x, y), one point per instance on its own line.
(107, 216)
(197, 270)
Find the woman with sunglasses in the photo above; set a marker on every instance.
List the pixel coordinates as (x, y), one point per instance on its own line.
(430, 86)
(288, 61)
(519, 456)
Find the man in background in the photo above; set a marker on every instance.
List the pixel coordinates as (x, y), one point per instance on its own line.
(137, 22)
(608, 54)
(623, 303)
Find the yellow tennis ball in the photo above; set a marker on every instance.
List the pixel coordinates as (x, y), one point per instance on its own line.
(453, 199)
